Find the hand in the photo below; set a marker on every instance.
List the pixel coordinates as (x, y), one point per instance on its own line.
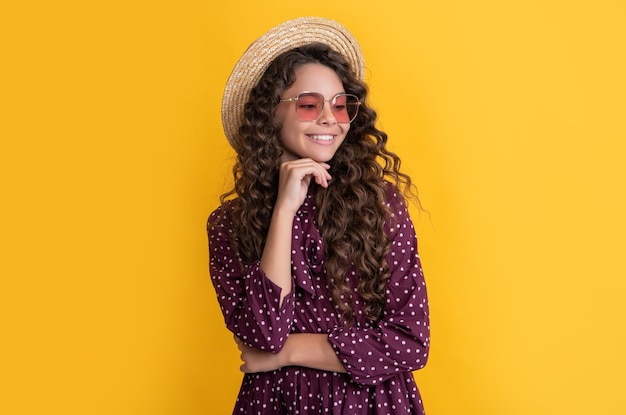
(294, 179)
(255, 360)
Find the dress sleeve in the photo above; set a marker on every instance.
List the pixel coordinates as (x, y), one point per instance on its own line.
(400, 341)
(249, 300)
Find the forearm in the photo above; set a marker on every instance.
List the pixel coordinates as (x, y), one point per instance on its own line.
(311, 350)
(276, 258)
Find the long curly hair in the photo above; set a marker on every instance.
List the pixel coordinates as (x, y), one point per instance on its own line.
(351, 212)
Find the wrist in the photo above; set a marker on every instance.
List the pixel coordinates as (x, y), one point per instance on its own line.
(286, 355)
(283, 213)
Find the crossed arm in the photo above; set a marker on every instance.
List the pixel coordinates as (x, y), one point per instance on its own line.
(300, 349)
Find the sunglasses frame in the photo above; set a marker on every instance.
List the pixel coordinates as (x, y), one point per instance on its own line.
(331, 101)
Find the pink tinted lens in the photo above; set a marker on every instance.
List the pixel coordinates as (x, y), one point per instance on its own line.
(309, 106)
(341, 107)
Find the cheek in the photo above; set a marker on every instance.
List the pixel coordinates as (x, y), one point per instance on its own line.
(346, 130)
(290, 126)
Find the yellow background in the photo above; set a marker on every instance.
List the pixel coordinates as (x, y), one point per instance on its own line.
(509, 115)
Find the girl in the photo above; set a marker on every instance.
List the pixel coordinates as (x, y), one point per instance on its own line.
(315, 260)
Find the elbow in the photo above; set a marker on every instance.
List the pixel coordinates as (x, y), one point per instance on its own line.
(422, 355)
(421, 350)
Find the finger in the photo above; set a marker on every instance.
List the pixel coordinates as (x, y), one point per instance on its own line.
(307, 163)
(302, 173)
(240, 344)
(311, 167)
(322, 178)
(326, 167)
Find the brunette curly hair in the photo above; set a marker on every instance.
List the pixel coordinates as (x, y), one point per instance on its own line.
(351, 212)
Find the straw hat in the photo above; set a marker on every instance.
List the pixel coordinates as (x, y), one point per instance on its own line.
(255, 60)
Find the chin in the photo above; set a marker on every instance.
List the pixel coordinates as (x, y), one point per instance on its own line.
(323, 159)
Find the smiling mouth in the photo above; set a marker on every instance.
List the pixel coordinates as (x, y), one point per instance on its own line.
(322, 137)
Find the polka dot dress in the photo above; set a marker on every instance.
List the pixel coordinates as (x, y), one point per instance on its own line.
(379, 359)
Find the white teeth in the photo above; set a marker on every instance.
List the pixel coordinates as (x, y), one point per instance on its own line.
(322, 137)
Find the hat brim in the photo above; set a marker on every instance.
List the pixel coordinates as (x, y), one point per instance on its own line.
(255, 60)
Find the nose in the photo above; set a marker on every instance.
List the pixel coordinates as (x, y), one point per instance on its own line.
(327, 117)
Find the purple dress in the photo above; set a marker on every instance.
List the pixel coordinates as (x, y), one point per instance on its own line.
(379, 358)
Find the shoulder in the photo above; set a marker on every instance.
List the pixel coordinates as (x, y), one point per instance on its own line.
(398, 213)
(221, 217)
(394, 198)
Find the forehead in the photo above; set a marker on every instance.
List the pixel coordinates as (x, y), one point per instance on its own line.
(317, 78)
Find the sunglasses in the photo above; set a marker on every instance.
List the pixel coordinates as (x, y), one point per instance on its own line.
(309, 106)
